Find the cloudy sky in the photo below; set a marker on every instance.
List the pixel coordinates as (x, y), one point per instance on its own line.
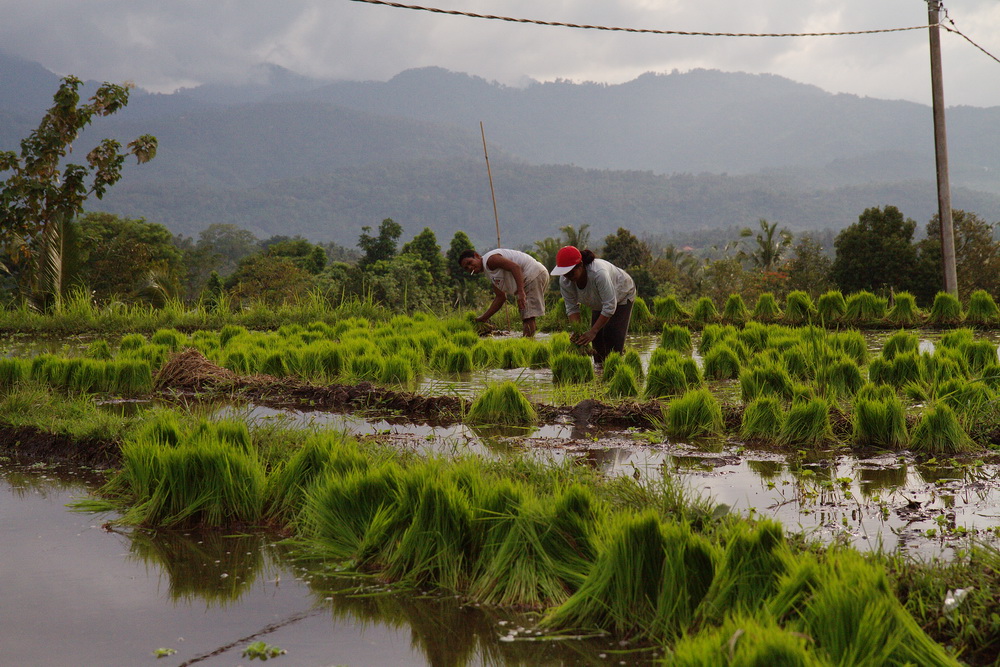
(167, 44)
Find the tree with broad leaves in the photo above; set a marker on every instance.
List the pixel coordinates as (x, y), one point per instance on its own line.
(381, 247)
(770, 243)
(876, 253)
(40, 195)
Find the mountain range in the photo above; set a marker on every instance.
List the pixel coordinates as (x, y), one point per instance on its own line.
(664, 155)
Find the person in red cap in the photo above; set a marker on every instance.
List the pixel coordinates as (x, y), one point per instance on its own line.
(604, 288)
(511, 272)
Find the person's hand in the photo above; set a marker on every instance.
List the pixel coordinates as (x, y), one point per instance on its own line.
(585, 337)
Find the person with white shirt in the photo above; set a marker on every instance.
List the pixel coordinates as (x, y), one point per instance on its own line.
(515, 273)
(608, 291)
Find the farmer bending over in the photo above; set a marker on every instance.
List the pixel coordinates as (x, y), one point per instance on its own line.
(511, 272)
(604, 288)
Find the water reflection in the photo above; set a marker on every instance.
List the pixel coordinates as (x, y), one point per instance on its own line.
(872, 481)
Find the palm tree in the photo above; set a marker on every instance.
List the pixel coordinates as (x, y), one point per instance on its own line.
(577, 237)
(771, 245)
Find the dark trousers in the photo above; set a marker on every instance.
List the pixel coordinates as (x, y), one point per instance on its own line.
(611, 338)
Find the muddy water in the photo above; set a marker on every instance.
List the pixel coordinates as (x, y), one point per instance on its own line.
(76, 594)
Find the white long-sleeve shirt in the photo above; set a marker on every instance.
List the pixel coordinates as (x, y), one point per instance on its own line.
(607, 286)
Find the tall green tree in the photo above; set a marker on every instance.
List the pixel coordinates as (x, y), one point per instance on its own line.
(977, 257)
(465, 286)
(876, 253)
(809, 268)
(625, 250)
(576, 237)
(381, 247)
(425, 246)
(40, 195)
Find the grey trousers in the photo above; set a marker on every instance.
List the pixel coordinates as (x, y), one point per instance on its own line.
(611, 338)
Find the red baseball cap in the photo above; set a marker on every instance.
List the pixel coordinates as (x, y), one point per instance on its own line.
(567, 258)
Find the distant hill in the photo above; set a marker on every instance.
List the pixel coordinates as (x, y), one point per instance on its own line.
(658, 155)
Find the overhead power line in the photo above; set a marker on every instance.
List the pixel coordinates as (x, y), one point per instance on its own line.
(688, 33)
(649, 31)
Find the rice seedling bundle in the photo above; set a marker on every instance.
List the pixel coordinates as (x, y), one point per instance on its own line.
(632, 358)
(899, 341)
(611, 364)
(456, 360)
(322, 358)
(747, 641)
(944, 365)
(397, 369)
(939, 432)
(131, 342)
(982, 309)
(807, 423)
(864, 308)
(622, 382)
(735, 311)
(904, 310)
(846, 605)
(13, 370)
(980, 355)
(946, 310)
(202, 483)
(666, 379)
(504, 403)
(714, 333)
(802, 392)
(276, 363)
(540, 355)
(482, 356)
(766, 309)
(342, 514)
(879, 422)
(436, 546)
(647, 583)
(663, 356)
(560, 342)
(754, 561)
(642, 319)
(366, 367)
(704, 311)
(799, 363)
(99, 349)
(876, 392)
(957, 338)
(852, 343)
(765, 380)
(695, 414)
(669, 309)
(87, 375)
(170, 338)
(839, 378)
(320, 327)
(427, 341)
(242, 360)
(762, 419)
(722, 363)
(831, 307)
(465, 339)
(964, 397)
(129, 377)
(513, 354)
(571, 368)
(799, 307)
(676, 337)
(755, 337)
(903, 369)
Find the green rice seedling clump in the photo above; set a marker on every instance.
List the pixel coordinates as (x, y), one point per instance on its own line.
(899, 341)
(634, 360)
(957, 339)
(366, 367)
(939, 432)
(807, 423)
(540, 356)
(170, 338)
(397, 369)
(980, 355)
(704, 311)
(13, 371)
(713, 334)
(99, 349)
(611, 364)
(904, 311)
(970, 400)
(852, 343)
(676, 337)
(799, 308)
(642, 319)
(131, 342)
(735, 310)
(695, 414)
(759, 642)
(623, 383)
(762, 419)
(839, 378)
(502, 403)
(982, 309)
(129, 377)
(87, 375)
(831, 307)
(665, 379)
(569, 368)
(755, 559)
(946, 310)
(766, 309)
(765, 380)
(865, 308)
(902, 370)
(669, 309)
(879, 422)
(722, 363)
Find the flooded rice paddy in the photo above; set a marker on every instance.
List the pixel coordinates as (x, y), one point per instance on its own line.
(76, 591)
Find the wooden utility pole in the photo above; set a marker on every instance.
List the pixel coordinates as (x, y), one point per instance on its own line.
(489, 173)
(941, 152)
